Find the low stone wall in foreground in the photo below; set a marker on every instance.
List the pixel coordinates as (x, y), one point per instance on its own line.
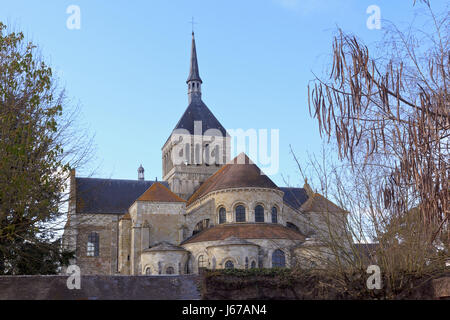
(185, 287)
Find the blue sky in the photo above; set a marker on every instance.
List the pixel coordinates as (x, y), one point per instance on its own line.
(128, 64)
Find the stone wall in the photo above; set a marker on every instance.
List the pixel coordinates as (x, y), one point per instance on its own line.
(217, 286)
(106, 225)
(215, 259)
(100, 288)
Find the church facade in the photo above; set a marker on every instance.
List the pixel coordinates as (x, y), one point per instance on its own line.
(208, 212)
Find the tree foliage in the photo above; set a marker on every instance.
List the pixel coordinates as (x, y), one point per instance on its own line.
(33, 169)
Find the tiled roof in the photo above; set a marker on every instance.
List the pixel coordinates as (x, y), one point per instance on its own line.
(294, 197)
(235, 241)
(159, 193)
(235, 174)
(165, 246)
(318, 203)
(198, 111)
(108, 195)
(126, 217)
(246, 231)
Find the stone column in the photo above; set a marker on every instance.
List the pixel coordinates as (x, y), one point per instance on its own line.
(135, 249)
(145, 236)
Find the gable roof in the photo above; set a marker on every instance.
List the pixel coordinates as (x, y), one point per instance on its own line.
(246, 231)
(240, 172)
(108, 196)
(318, 203)
(198, 111)
(159, 193)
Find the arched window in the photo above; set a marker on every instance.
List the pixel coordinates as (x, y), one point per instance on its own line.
(240, 214)
(274, 215)
(253, 265)
(259, 214)
(292, 226)
(229, 264)
(246, 262)
(148, 271)
(170, 270)
(278, 259)
(202, 262)
(222, 215)
(93, 245)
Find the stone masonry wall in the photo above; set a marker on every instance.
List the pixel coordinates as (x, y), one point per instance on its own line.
(184, 287)
(106, 225)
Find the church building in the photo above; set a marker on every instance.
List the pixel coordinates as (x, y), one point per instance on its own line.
(209, 212)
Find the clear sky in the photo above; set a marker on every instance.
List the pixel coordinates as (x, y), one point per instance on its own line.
(127, 66)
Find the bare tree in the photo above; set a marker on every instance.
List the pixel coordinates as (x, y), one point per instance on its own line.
(393, 113)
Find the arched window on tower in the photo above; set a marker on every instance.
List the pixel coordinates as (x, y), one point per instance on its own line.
(259, 214)
(278, 259)
(240, 213)
(222, 215)
(274, 215)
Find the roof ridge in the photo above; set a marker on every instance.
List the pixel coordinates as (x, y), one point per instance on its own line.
(114, 179)
(231, 175)
(151, 194)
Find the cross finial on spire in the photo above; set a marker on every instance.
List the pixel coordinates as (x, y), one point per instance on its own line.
(192, 22)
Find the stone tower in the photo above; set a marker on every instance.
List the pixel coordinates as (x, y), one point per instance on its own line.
(199, 145)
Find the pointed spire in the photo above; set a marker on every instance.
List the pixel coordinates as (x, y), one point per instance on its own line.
(194, 81)
(193, 72)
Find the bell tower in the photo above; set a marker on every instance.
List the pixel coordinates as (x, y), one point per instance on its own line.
(199, 145)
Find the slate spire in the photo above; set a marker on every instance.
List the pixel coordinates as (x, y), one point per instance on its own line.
(194, 81)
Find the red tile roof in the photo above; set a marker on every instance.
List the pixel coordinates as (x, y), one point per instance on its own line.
(318, 203)
(126, 217)
(246, 231)
(159, 193)
(238, 173)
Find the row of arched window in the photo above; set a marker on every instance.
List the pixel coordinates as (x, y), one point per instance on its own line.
(169, 270)
(278, 261)
(194, 85)
(240, 214)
